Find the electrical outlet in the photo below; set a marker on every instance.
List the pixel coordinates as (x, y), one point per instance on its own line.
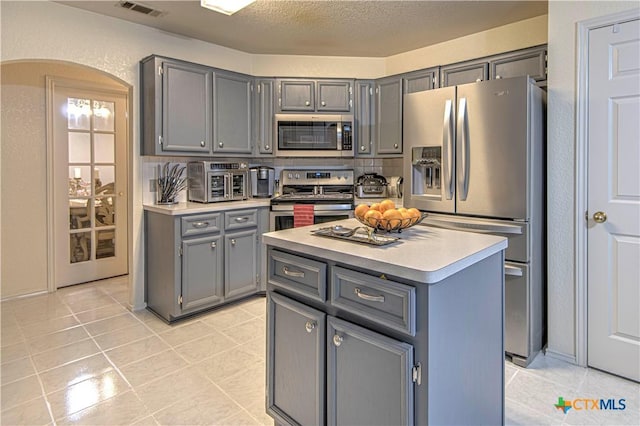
(152, 185)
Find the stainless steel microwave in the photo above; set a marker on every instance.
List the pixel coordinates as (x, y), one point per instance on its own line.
(305, 135)
(210, 181)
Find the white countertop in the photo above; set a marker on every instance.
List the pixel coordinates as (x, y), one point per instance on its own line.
(191, 208)
(424, 254)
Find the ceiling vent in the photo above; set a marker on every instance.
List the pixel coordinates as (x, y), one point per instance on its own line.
(141, 8)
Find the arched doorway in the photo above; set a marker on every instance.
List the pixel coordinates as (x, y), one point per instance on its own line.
(28, 165)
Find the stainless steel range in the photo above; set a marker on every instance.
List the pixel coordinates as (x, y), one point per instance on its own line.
(329, 191)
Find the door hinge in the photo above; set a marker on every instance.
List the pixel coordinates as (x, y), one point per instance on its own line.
(160, 71)
(180, 302)
(416, 374)
(257, 279)
(586, 216)
(160, 139)
(350, 103)
(350, 90)
(259, 87)
(179, 251)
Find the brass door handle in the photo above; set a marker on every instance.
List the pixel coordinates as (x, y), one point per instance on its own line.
(600, 217)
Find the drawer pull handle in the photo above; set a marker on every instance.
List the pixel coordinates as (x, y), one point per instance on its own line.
(337, 339)
(213, 245)
(297, 274)
(200, 224)
(241, 219)
(368, 297)
(310, 326)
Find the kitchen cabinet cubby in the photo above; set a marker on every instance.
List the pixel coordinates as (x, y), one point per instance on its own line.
(198, 261)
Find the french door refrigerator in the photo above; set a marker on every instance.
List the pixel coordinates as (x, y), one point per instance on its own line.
(474, 159)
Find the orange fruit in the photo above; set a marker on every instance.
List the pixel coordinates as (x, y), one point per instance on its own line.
(375, 206)
(391, 219)
(373, 217)
(414, 213)
(406, 216)
(360, 210)
(386, 205)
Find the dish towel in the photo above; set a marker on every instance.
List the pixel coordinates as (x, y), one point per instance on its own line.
(302, 215)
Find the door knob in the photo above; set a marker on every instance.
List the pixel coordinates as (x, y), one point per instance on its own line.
(337, 339)
(600, 217)
(309, 326)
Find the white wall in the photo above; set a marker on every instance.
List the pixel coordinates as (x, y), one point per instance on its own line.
(561, 113)
(51, 31)
(526, 33)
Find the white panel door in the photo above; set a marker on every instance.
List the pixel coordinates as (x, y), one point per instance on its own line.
(614, 199)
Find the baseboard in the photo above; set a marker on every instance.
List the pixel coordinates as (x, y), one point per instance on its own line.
(571, 359)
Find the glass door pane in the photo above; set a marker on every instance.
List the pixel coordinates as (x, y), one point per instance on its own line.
(91, 142)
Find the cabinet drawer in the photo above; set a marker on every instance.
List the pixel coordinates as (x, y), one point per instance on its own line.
(298, 274)
(240, 219)
(200, 224)
(383, 301)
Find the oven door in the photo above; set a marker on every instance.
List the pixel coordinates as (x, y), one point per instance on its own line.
(236, 185)
(280, 220)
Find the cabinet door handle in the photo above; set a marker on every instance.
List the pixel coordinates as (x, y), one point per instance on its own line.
(266, 147)
(310, 326)
(395, 145)
(297, 274)
(200, 224)
(233, 242)
(213, 245)
(241, 219)
(307, 103)
(368, 297)
(324, 103)
(337, 339)
(202, 143)
(220, 144)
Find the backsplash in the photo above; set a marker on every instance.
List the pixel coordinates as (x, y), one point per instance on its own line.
(384, 166)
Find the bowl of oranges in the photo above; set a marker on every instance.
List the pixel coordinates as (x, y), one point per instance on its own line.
(384, 216)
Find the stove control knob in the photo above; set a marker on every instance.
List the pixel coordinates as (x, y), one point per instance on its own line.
(290, 175)
(297, 175)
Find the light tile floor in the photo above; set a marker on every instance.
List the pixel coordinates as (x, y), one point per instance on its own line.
(78, 356)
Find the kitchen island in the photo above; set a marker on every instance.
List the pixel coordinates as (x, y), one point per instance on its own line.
(407, 333)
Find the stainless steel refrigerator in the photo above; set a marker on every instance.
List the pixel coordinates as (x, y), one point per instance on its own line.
(474, 158)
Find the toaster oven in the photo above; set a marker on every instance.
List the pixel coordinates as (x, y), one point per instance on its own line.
(210, 182)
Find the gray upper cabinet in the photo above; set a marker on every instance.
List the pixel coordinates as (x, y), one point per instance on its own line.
(297, 95)
(389, 115)
(233, 105)
(263, 116)
(464, 72)
(365, 118)
(419, 81)
(531, 62)
(315, 95)
(334, 95)
(176, 107)
(368, 377)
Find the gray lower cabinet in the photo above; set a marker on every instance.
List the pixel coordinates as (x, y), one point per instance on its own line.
(368, 377)
(241, 263)
(176, 106)
(389, 115)
(202, 280)
(198, 261)
(233, 116)
(296, 362)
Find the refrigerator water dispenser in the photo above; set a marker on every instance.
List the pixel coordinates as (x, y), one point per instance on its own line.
(427, 170)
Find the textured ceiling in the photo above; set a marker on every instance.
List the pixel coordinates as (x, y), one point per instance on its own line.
(327, 28)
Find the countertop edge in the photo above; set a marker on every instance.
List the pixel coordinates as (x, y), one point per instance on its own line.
(417, 275)
(181, 209)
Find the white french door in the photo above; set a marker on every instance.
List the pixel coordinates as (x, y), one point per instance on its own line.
(90, 137)
(613, 236)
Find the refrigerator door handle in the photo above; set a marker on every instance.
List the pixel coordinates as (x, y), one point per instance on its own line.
(447, 143)
(463, 134)
(513, 271)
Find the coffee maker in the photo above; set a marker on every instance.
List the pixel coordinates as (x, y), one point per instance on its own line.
(262, 180)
